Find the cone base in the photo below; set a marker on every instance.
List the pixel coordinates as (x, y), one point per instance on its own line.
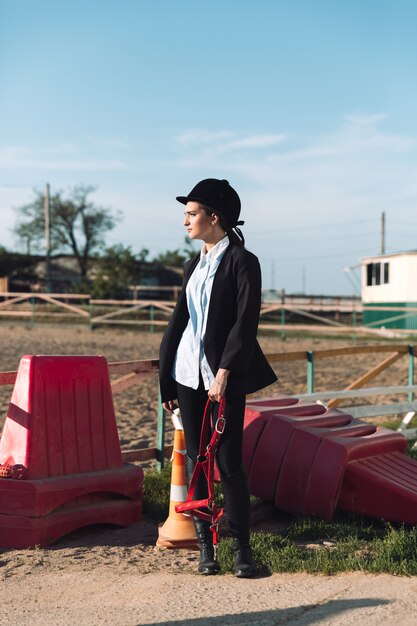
(177, 534)
(184, 544)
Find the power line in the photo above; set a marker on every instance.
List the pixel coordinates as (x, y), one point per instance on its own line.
(328, 238)
(10, 186)
(407, 222)
(325, 256)
(315, 226)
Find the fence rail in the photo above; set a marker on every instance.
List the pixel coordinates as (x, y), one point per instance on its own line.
(315, 314)
(126, 374)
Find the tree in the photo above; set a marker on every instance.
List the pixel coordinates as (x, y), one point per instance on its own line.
(118, 269)
(77, 224)
(176, 257)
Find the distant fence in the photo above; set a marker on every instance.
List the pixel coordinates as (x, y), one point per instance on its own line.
(129, 373)
(282, 314)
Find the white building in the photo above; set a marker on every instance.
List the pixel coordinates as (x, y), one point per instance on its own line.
(389, 281)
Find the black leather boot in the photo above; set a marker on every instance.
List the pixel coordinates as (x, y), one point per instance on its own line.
(243, 564)
(237, 504)
(208, 565)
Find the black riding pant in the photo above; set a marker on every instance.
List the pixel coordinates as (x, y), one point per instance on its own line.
(192, 403)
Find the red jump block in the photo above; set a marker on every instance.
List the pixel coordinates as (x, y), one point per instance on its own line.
(310, 481)
(309, 459)
(275, 402)
(384, 486)
(274, 451)
(335, 454)
(20, 531)
(61, 428)
(255, 421)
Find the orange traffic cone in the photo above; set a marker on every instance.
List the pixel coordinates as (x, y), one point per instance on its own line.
(178, 530)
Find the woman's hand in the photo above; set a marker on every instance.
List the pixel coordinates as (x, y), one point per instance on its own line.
(170, 406)
(218, 386)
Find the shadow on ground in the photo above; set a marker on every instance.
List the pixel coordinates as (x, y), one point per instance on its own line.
(296, 616)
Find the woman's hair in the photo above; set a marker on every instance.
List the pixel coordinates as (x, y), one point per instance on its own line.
(236, 237)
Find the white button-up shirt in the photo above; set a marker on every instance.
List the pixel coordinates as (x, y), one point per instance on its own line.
(190, 359)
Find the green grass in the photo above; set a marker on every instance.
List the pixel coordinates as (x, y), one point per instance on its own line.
(156, 493)
(308, 544)
(349, 548)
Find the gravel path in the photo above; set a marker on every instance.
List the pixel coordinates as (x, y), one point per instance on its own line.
(108, 596)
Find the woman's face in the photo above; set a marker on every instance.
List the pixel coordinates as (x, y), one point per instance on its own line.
(198, 224)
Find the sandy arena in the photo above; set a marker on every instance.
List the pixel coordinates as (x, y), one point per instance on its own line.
(117, 576)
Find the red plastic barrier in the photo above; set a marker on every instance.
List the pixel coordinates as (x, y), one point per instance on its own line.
(383, 486)
(309, 459)
(278, 401)
(61, 417)
(19, 531)
(61, 429)
(336, 453)
(40, 497)
(272, 446)
(301, 488)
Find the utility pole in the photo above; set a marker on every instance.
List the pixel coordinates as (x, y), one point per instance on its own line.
(47, 208)
(383, 233)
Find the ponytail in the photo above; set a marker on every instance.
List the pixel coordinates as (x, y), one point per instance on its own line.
(236, 237)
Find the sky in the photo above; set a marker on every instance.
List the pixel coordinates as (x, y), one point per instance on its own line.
(307, 107)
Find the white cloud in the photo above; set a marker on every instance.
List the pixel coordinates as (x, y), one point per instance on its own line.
(213, 143)
(201, 136)
(64, 157)
(365, 120)
(108, 143)
(357, 144)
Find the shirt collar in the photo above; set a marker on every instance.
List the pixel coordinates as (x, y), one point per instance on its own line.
(215, 252)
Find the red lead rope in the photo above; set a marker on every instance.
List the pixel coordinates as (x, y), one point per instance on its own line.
(205, 463)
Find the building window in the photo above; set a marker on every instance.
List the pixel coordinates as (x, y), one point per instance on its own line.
(377, 275)
(369, 274)
(377, 272)
(386, 273)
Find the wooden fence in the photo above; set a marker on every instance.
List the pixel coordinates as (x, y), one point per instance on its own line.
(318, 314)
(126, 374)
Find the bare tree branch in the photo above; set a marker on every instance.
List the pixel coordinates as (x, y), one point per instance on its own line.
(77, 224)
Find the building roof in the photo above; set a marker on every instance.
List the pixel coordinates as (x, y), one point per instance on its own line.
(389, 255)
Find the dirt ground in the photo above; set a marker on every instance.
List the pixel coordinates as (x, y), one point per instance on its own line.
(116, 576)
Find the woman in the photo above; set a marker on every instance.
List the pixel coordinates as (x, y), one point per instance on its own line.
(210, 350)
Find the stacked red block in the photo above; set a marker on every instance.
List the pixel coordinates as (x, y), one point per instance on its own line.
(309, 459)
(60, 433)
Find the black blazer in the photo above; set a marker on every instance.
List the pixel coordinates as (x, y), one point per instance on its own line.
(232, 324)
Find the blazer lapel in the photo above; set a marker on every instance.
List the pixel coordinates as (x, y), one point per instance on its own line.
(218, 280)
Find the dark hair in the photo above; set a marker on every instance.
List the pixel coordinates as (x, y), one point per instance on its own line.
(235, 235)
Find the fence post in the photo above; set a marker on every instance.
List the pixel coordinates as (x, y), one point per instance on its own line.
(310, 371)
(355, 324)
(411, 371)
(160, 435)
(32, 307)
(90, 312)
(151, 318)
